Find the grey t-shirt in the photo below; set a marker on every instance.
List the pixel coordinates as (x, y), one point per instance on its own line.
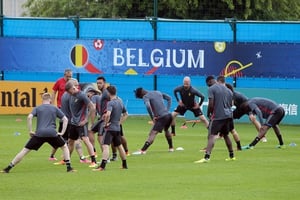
(154, 101)
(79, 107)
(96, 99)
(222, 98)
(65, 105)
(262, 107)
(116, 107)
(103, 102)
(46, 115)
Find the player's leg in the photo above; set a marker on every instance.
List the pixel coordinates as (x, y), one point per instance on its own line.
(262, 132)
(173, 124)
(107, 140)
(278, 135)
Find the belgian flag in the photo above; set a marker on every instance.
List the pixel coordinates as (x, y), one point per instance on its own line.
(79, 55)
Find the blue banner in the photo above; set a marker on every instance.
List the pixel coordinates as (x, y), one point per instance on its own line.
(150, 57)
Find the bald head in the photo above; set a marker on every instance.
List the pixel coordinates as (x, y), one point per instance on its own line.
(186, 82)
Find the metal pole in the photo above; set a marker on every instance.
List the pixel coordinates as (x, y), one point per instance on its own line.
(1, 18)
(155, 19)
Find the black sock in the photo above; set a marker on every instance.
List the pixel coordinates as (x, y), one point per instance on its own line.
(124, 164)
(103, 164)
(94, 150)
(68, 164)
(146, 145)
(93, 159)
(170, 142)
(254, 142)
(231, 155)
(173, 128)
(207, 156)
(9, 167)
(238, 143)
(280, 140)
(114, 155)
(52, 155)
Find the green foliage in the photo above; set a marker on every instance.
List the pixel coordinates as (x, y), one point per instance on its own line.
(174, 9)
(261, 173)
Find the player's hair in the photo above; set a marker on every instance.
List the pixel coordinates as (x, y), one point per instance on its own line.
(112, 90)
(229, 86)
(69, 85)
(46, 96)
(138, 92)
(208, 78)
(221, 79)
(67, 71)
(101, 78)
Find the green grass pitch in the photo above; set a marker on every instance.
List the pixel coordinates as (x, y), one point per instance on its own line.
(262, 173)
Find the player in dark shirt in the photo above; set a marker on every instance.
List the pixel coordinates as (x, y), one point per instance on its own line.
(154, 102)
(272, 113)
(187, 101)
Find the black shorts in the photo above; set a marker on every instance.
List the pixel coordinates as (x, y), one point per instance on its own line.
(222, 126)
(77, 132)
(66, 134)
(238, 113)
(98, 127)
(163, 123)
(35, 142)
(276, 117)
(112, 137)
(182, 109)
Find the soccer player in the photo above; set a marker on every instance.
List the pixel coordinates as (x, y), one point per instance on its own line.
(45, 132)
(220, 100)
(101, 103)
(187, 101)
(81, 109)
(112, 120)
(59, 89)
(238, 100)
(266, 109)
(210, 80)
(162, 119)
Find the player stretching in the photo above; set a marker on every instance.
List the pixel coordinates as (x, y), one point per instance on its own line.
(45, 132)
(154, 101)
(269, 110)
(187, 102)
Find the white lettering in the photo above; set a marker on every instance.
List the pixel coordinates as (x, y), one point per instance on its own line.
(118, 57)
(181, 64)
(156, 61)
(199, 61)
(141, 63)
(130, 57)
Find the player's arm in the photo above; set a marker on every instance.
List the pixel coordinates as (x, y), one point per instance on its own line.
(64, 125)
(257, 111)
(148, 107)
(198, 94)
(168, 99)
(210, 108)
(124, 115)
(29, 124)
(107, 118)
(176, 90)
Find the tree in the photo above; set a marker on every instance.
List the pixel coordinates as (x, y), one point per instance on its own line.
(174, 9)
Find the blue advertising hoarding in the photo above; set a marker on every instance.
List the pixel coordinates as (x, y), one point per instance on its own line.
(150, 57)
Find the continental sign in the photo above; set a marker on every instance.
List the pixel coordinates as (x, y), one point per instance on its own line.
(21, 97)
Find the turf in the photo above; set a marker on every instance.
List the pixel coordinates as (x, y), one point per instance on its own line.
(262, 173)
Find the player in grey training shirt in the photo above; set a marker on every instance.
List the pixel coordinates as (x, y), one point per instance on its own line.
(266, 109)
(187, 101)
(115, 109)
(45, 132)
(220, 114)
(154, 102)
(81, 109)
